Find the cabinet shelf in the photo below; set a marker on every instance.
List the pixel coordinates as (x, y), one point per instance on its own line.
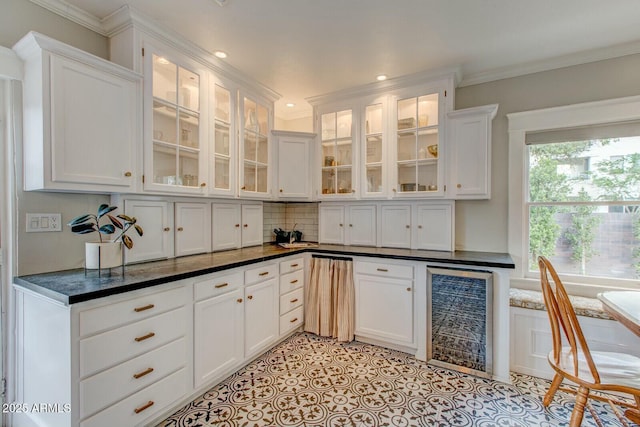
(165, 107)
(419, 162)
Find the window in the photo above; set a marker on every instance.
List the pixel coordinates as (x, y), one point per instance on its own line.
(574, 193)
(582, 206)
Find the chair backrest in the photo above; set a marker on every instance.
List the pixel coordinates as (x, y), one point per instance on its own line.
(563, 319)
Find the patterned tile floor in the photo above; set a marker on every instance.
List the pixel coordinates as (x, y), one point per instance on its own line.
(311, 381)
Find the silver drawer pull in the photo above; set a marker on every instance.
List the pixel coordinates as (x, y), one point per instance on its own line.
(294, 320)
(264, 273)
(294, 265)
(143, 308)
(382, 269)
(221, 285)
(294, 300)
(145, 337)
(143, 373)
(294, 281)
(143, 407)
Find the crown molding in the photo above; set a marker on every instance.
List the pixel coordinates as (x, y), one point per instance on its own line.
(558, 62)
(73, 13)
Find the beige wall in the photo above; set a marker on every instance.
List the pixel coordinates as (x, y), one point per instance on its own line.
(482, 225)
(304, 124)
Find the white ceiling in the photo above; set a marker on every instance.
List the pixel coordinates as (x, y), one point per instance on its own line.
(303, 48)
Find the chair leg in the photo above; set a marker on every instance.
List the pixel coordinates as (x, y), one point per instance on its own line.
(557, 380)
(578, 409)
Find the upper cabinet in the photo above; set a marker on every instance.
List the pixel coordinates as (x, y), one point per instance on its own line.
(82, 119)
(338, 158)
(469, 145)
(175, 148)
(293, 158)
(256, 118)
(222, 97)
(384, 142)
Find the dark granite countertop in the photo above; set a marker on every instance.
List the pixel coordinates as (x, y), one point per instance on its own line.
(73, 286)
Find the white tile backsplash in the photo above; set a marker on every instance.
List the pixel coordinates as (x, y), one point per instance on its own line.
(286, 215)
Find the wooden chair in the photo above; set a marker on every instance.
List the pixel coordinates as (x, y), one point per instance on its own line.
(572, 360)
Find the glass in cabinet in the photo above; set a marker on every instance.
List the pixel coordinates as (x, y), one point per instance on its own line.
(223, 142)
(176, 125)
(373, 150)
(337, 153)
(255, 148)
(417, 161)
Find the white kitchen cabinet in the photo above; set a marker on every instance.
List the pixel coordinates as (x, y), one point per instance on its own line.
(261, 309)
(82, 119)
(469, 150)
(291, 295)
(236, 225)
(384, 302)
(347, 224)
(120, 359)
(256, 118)
(193, 228)
(433, 226)
(156, 219)
(337, 159)
(252, 219)
(294, 174)
(222, 131)
(374, 159)
(176, 122)
(218, 326)
(395, 229)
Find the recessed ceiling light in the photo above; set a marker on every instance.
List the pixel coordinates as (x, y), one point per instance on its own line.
(220, 54)
(290, 104)
(381, 77)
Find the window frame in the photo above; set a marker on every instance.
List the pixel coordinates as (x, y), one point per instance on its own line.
(567, 116)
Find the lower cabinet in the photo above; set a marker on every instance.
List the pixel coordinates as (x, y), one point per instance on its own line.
(261, 316)
(385, 302)
(291, 295)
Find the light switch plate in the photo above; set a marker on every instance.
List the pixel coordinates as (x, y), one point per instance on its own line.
(43, 222)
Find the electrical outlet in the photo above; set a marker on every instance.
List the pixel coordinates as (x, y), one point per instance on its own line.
(44, 222)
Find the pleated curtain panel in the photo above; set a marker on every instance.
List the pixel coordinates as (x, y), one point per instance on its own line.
(330, 300)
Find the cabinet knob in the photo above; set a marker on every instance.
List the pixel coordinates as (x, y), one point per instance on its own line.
(350, 225)
(166, 229)
(250, 297)
(239, 300)
(419, 226)
(237, 225)
(294, 300)
(353, 191)
(409, 289)
(459, 185)
(294, 320)
(281, 190)
(246, 225)
(407, 226)
(340, 225)
(244, 187)
(127, 174)
(394, 190)
(180, 229)
(204, 184)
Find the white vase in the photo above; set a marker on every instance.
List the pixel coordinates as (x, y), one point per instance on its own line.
(102, 255)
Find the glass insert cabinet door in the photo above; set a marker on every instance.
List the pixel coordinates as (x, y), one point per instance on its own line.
(223, 148)
(417, 160)
(255, 147)
(176, 124)
(373, 157)
(337, 153)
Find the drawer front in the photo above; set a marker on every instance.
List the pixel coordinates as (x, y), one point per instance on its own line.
(104, 389)
(385, 270)
(291, 281)
(217, 285)
(109, 348)
(143, 405)
(110, 316)
(291, 300)
(291, 265)
(259, 274)
(291, 320)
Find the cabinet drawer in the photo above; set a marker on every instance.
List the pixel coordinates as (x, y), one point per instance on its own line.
(291, 320)
(217, 285)
(291, 265)
(141, 406)
(291, 281)
(112, 347)
(110, 316)
(104, 389)
(385, 270)
(259, 274)
(291, 300)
